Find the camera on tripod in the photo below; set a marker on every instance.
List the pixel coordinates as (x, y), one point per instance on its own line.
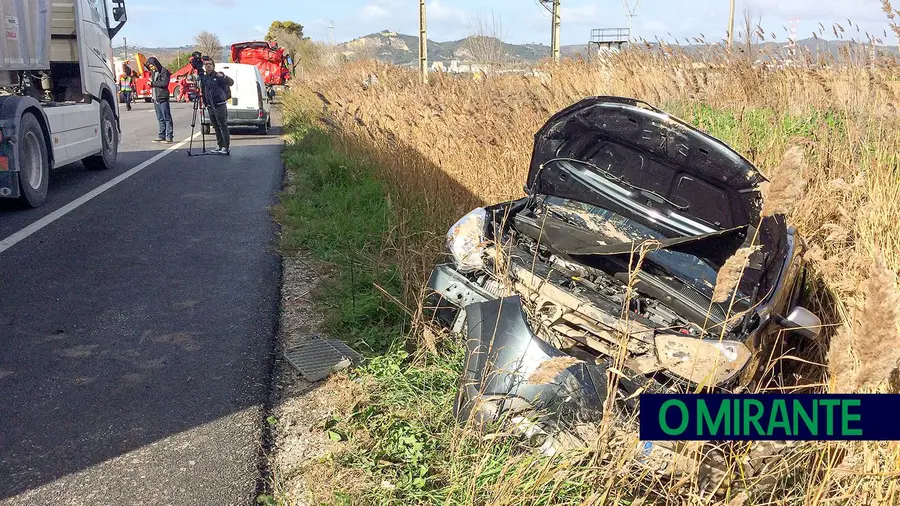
(194, 96)
(197, 62)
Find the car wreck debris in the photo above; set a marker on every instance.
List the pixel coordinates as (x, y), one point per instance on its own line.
(554, 277)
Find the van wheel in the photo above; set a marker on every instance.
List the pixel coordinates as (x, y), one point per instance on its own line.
(34, 164)
(109, 138)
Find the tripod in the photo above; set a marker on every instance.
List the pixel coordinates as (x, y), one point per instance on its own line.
(196, 99)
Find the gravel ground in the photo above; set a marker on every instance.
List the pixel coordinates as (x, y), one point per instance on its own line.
(301, 408)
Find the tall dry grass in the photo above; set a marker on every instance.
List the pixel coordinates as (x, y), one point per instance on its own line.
(455, 143)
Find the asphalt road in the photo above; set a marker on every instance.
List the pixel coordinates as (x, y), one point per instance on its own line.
(137, 330)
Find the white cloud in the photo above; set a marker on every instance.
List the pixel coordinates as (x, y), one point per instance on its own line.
(440, 13)
(379, 9)
(580, 14)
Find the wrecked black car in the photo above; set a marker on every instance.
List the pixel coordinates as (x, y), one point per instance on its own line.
(612, 259)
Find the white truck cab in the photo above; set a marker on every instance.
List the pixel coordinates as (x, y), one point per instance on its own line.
(57, 91)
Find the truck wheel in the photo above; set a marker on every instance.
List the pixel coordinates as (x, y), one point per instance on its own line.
(34, 164)
(205, 129)
(109, 138)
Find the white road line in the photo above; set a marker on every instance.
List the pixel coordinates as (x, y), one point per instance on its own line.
(15, 238)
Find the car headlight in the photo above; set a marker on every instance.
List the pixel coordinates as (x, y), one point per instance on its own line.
(467, 240)
(704, 362)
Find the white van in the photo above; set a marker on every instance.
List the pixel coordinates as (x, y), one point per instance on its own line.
(249, 104)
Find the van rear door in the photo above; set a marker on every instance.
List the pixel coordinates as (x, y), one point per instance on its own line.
(245, 102)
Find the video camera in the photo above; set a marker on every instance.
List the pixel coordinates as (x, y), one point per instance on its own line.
(197, 62)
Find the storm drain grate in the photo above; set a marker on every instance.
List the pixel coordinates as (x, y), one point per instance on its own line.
(317, 358)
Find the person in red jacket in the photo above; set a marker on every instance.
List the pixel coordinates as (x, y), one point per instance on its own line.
(183, 87)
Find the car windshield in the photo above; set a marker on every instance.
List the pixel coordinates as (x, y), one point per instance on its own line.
(690, 269)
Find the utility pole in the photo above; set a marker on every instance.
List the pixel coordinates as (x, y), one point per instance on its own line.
(125, 48)
(331, 34)
(630, 12)
(731, 26)
(423, 43)
(554, 26)
(554, 35)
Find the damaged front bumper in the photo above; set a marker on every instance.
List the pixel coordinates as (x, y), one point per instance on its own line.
(501, 356)
(502, 353)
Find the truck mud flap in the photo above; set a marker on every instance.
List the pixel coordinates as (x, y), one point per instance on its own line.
(9, 185)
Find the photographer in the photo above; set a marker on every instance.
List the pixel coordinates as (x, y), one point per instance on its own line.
(159, 84)
(215, 87)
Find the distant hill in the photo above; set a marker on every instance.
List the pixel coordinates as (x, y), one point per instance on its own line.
(402, 49)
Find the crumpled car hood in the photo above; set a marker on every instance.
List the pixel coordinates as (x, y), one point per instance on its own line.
(667, 171)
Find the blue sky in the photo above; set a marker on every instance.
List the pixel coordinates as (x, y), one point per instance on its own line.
(157, 23)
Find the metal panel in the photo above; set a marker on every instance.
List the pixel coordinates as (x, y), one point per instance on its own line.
(25, 44)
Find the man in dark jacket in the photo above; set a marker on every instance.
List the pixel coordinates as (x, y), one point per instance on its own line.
(159, 87)
(215, 88)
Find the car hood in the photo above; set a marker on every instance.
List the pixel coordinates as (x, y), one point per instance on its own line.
(645, 164)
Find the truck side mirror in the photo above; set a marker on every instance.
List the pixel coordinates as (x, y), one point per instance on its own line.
(119, 16)
(803, 322)
(119, 10)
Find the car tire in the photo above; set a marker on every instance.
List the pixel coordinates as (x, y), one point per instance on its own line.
(264, 128)
(177, 94)
(34, 162)
(147, 100)
(205, 129)
(109, 140)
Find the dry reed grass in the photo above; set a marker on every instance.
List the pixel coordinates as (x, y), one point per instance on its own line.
(548, 370)
(454, 144)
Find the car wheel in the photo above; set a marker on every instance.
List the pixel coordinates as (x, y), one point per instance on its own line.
(205, 129)
(264, 128)
(147, 100)
(109, 139)
(34, 164)
(177, 94)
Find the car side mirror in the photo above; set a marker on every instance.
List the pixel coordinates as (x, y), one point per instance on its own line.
(803, 322)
